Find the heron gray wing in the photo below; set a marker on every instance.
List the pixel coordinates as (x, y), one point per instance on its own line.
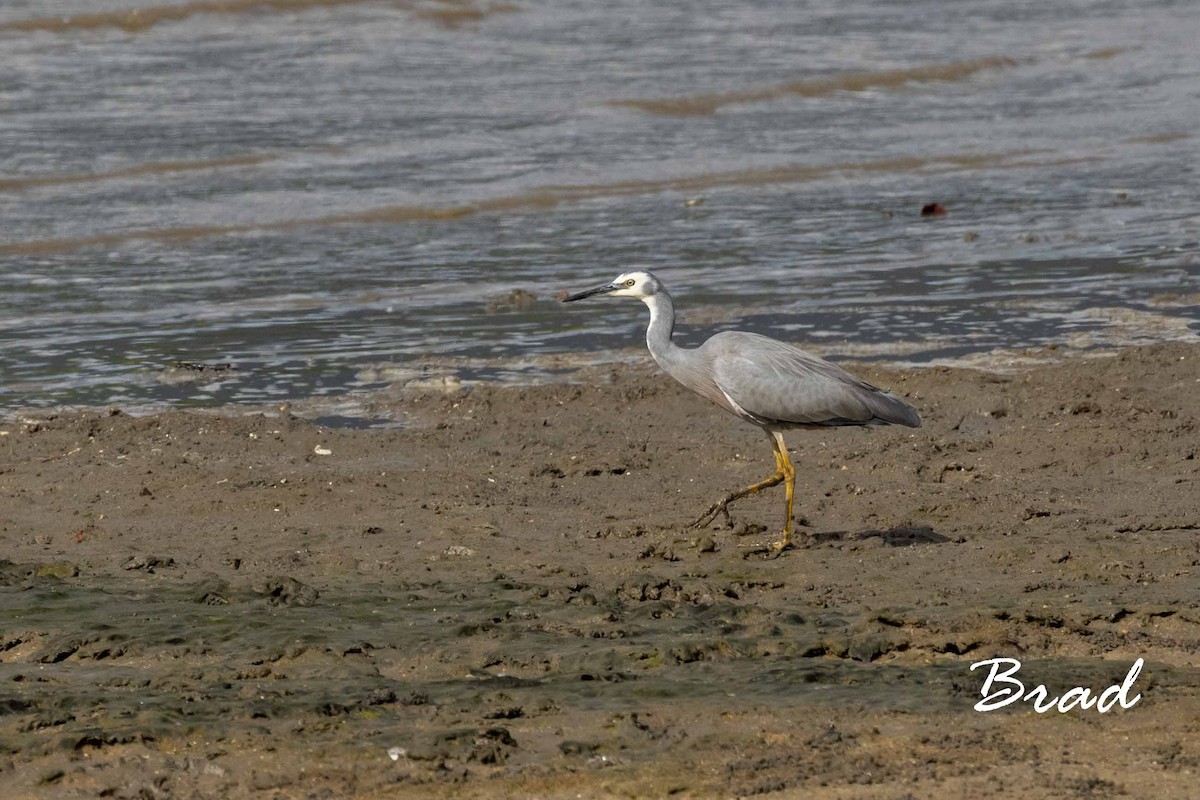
(774, 382)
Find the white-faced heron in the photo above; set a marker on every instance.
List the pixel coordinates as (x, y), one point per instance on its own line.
(767, 383)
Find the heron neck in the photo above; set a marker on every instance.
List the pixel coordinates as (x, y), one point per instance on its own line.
(662, 325)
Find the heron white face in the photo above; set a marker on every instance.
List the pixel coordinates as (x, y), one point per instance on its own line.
(641, 285)
(635, 284)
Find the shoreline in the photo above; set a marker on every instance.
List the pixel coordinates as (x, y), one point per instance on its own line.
(387, 386)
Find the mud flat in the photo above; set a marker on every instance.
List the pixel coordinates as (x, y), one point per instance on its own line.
(501, 597)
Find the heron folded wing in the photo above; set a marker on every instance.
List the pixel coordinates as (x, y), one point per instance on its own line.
(774, 382)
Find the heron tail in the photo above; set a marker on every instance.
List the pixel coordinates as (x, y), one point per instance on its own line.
(890, 409)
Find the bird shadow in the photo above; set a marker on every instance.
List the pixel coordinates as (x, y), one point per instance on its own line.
(899, 536)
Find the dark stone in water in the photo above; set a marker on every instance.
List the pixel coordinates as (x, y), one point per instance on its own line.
(516, 300)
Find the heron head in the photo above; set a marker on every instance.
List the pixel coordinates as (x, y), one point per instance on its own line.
(630, 284)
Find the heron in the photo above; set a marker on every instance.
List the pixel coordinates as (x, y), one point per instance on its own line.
(766, 382)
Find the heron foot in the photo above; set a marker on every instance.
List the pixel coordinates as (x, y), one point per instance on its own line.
(775, 549)
(709, 516)
(722, 505)
(768, 551)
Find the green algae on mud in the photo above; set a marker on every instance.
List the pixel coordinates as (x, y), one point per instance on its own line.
(94, 661)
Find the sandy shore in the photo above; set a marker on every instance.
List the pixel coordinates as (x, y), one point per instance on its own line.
(502, 598)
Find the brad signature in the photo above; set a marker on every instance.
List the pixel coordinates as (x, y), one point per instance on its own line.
(1001, 688)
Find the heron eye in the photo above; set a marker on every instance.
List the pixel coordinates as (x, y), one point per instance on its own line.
(630, 282)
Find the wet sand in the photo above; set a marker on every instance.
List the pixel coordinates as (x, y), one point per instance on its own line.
(502, 598)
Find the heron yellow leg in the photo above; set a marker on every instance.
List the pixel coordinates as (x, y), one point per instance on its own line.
(783, 472)
(784, 464)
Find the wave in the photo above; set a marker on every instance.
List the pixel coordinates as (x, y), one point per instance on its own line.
(551, 196)
(711, 102)
(454, 15)
(152, 168)
(449, 13)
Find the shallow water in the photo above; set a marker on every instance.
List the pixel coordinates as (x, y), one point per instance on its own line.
(309, 189)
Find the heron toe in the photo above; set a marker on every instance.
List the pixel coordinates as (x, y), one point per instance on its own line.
(709, 516)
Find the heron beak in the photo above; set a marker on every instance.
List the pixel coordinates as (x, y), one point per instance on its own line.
(589, 292)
